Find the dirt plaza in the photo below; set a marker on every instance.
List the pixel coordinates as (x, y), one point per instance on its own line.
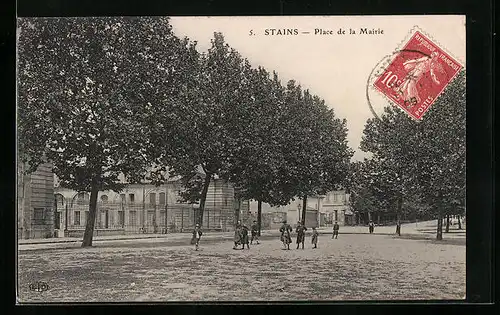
(352, 267)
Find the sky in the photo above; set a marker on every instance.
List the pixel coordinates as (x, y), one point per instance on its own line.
(333, 66)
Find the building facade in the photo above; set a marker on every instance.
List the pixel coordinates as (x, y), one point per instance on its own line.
(322, 210)
(144, 208)
(35, 202)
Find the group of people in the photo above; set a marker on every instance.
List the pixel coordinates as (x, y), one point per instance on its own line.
(286, 236)
(241, 235)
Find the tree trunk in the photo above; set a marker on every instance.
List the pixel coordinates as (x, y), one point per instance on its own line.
(89, 227)
(398, 217)
(447, 230)
(459, 223)
(259, 215)
(439, 235)
(304, 208)
(378, 218)
(237, 210)
(369, 216)
(206, 183)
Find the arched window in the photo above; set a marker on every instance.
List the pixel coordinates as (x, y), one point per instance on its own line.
(82, 196)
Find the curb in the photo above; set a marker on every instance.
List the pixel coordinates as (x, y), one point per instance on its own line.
(187, 236)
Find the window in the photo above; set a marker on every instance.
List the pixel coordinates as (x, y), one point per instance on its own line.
(57, 220)
(152, 198)
(104, 198)
(162, 198)
(121, 218)
(82, 196)
(122, 198)
(336, 215)
(59, 200)
(162, 218)
(131, 197)
(132, 218)
(77, 218)
(334, 197)
(38, 215)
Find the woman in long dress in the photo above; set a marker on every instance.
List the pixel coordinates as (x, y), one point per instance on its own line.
(286, 238)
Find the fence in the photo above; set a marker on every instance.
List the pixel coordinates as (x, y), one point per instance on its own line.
(123, 218)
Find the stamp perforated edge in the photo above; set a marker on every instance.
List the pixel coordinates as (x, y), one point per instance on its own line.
(402, 43)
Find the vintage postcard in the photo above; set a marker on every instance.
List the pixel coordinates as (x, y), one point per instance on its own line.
(290, 158)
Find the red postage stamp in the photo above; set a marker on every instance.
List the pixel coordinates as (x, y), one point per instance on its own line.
(417, 75)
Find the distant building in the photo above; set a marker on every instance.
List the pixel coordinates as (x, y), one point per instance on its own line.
(35, 202)
(322, 210)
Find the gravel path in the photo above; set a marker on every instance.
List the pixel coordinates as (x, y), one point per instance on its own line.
(353, 267)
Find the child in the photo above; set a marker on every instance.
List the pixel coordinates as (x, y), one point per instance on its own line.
(195, 240)
(315, 238)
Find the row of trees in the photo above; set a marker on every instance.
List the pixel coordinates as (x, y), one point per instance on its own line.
(417, 167)
(107, 97)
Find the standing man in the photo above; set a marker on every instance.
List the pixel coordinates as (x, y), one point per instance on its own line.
(195, 240)
(301, 234)
(255, 232)
(335, 230)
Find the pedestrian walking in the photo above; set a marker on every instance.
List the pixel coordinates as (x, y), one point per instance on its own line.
(335, 230)
(195, 240)
(286, 238)
(255, 233)
(315, 238)
(237, 234)
(301, 234)
(244, 236)
(371, 226)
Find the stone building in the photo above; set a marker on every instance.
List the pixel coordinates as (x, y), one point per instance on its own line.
(145, 208)
(35, 202)
(321, 210)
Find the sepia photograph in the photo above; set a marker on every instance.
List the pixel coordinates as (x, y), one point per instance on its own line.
(241, 158)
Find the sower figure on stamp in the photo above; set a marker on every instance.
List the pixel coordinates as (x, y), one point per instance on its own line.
(244, 236)
(255, 232)
(237, 234)
(314, 240)
(301, 234)
(286, 238)
(417, 68)
(195, 240)
(335, 230)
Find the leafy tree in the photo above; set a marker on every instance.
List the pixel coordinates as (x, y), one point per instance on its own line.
(205, 123)
(86, 90)
(393, 142)
(441, 166)
(315, 151)
(422, 161)
(257, 159)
